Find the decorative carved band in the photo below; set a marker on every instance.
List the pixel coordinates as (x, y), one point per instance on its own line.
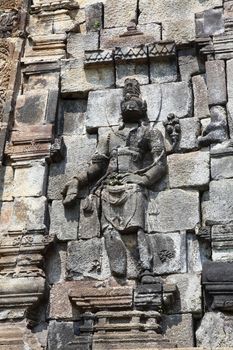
(9, 4)
(6, 50)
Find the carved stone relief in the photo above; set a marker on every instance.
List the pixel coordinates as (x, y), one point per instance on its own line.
(6, 51)
(123, 180)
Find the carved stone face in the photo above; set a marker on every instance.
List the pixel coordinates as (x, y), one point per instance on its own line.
(133, 108)
(131, 88)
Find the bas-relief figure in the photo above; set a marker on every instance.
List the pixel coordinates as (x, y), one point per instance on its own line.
(127, 162)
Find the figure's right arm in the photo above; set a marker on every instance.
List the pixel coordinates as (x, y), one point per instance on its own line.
(96, 169)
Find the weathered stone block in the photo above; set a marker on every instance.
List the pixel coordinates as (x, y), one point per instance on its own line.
(6, 183)
(218, 209)
(60, 334)
(135, 70)
(216, 82)
(222, 168)
(103, 107)
(6, 215)
(179, 329)
(177, 17)
(173, 210)
(197, 252)
(60, 306)
(29, 213)
(55, 265)
(189, 169)
(77, 43)
(215, 331)
(229, 65)
(111, 38)
(222, 243)
(87, 259)
(201, 108)
(80, 149)
(77, 81)
(94, 17)
(31, 107)
(64, 221)
(190, 130)
(189, 297)
(176, 98)
(210, 22)
(89, 223)
(120, 13)
(30, 181)
(169, 253)
(74, 117)
(188, 64)
(163, 70)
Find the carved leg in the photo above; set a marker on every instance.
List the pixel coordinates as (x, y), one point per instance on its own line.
(116, 251)
(144, 251)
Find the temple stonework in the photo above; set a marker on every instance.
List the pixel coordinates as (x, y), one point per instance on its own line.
(116, 147)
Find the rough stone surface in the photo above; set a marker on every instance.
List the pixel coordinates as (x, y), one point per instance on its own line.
(173, 210)
(28, 213)
(190, 130)
(189, 170)
(74, 117)
(87, 259)
(80, 149)
(188, 64)
(64, 222)
(6, 183)
(56, 263)
(61, 333)
(103, 107)
(216, 82)
(229, 66)
(169, 255)
(210, 22)
(6, 215)
(119, 14)
(198, 252)
(218, 207)
(215, 331)
(111, 38)
(201, 109)
(177, 17)
(222, 168)
(179, 329)
(77, 81)
(189, 292)
(60, 307)
(30, 181)
(163, 70)
(77, 43)
(131, 69)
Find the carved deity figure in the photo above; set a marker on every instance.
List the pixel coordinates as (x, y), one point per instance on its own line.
(128, 162)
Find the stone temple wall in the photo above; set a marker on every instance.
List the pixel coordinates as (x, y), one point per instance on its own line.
(116, 174)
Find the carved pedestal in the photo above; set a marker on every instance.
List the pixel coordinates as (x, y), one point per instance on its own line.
(217, 280)
(112, 317)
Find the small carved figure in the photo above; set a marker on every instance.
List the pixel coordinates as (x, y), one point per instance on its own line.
(173, 130)
(127, 163)
(216, 130)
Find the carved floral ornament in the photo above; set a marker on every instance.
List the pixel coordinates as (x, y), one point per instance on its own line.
(5, 68)
(10, 4)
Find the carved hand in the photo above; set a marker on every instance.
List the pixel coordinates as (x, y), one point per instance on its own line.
(131, 178)
(70, 192)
